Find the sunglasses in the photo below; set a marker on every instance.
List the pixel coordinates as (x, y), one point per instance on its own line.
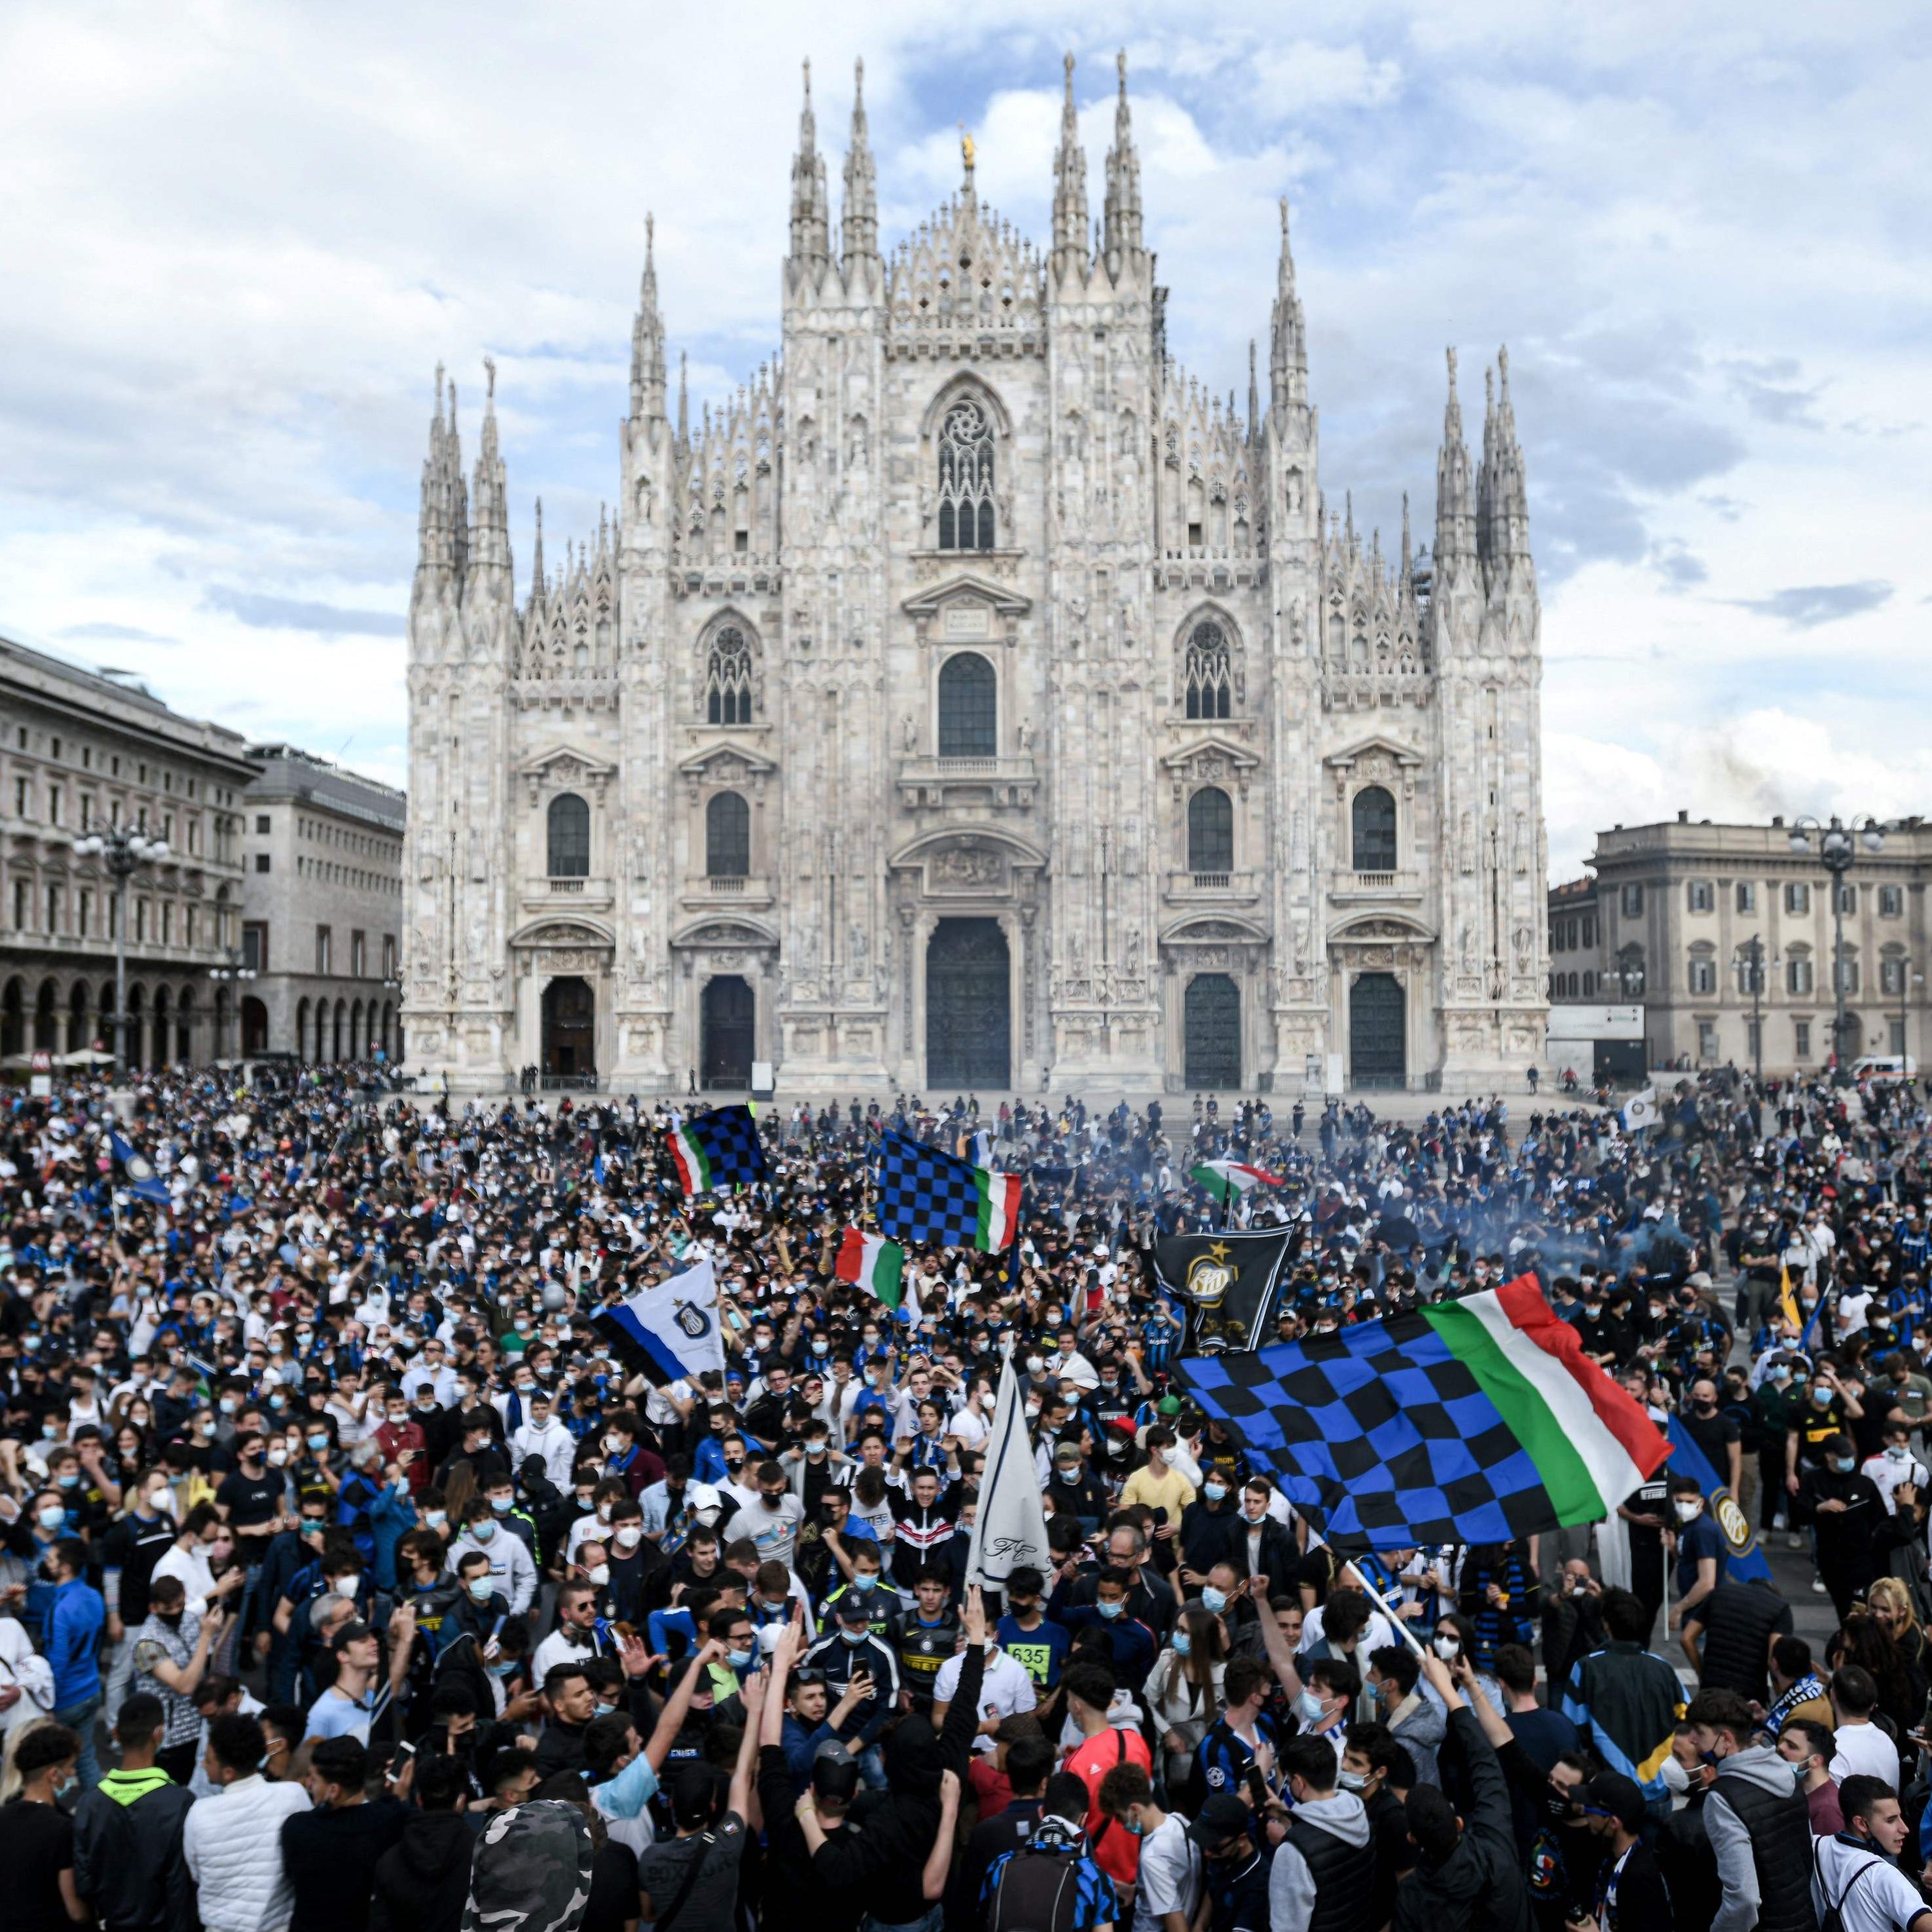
(810, 1675)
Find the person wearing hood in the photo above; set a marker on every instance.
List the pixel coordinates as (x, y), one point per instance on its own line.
(1326, 1865)
(1756, 1818)
(1468, 1870)
(422, 1881)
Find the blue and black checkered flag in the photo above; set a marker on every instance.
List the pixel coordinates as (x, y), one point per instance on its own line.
(927, 1197)
(719, 1150)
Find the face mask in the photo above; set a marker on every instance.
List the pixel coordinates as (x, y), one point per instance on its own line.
(71, 1481)
(855, 1637)
(814, 1450)
(1686, 1509)
(738, 1659)
(1132, 1827)
(436, 1518)
(1844, 1465)
(864, 1580)
(1821, 1397)
(482, 1588)
(1308, 1707)
(1110, 1611)
(228, 1404)
(482, 1531)
(1212, 1600)
(599, 1573)
(507, 1668)
(1895, 1452)
(50, 1516)
(1184, 1644)
(318, 1442)
(1213, 1491)
(630, 1536)
(1036, 1364)
(1069, 1475)
(1448, 1647)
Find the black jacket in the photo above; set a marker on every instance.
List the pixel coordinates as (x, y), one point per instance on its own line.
(128, 1862)
(423, 1881)
(1479, 1887)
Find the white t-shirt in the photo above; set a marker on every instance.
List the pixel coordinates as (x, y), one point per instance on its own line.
(1888, 1472)
(774, 1531)
(1005, 1690)
(1864, 1750)
(1882, 1900)
(1170, 1876)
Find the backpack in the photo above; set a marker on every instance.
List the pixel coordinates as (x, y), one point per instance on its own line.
(1037, 1892)
(1832, 1918)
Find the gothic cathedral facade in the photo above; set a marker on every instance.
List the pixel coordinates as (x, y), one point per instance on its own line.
(974, 702)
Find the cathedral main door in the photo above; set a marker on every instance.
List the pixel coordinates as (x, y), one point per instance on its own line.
(1378, 1046)
(1213, 1033)
(968, 1006)
(729, 1023)
(569, 1029)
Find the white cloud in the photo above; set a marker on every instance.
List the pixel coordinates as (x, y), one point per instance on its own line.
(239, 238)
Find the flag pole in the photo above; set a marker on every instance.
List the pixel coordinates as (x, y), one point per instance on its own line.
(1375, 1596)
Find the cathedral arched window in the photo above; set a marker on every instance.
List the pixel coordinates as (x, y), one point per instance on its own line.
(1210, 831)
(1211, 684)
(1375, 830)
(966, 478)
(969, 708)
(728, 677)
(728, 837)
(569, 828)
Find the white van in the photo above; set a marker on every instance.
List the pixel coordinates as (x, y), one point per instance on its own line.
(1886, 1067)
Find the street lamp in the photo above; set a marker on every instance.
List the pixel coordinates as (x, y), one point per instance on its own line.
(233, 970)
(1752, 956)
(1837, 845)
(124, 853)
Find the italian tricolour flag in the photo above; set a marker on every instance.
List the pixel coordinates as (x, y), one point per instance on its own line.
(874, 1263)
(999, 1209)
(1229, 1180)
(693, 1168)
(1591, 1445)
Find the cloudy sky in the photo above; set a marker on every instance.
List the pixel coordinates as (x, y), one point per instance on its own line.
(239, 238)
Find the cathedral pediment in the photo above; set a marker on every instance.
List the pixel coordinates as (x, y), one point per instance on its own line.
(1374, 756)
(1209, 758)
(749, 935)
(578, 933)
(730, 763)
(966, 589)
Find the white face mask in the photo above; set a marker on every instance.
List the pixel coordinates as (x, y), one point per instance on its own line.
(629, 1536)
(599, 1573)
(1448, 1647)
(1686, 1510)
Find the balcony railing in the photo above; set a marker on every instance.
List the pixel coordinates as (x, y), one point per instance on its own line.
(1375, 882)
(574, 883)
(733, 885)
(1212, 882)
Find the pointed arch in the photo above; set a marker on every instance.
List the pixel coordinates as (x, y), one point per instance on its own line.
(1210, 679)
(730, 687)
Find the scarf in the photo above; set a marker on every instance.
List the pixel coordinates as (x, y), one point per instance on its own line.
(1804, 1691)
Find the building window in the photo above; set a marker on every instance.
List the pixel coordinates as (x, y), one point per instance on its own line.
(728, 837)
(23, 904)
(83, 923)
(1374, 829)
(1631, 971)
(1848, 898)
(167, 922)
(1747, 896)
(261, 861)
(1703, 975)
(1632, 901)
(324, 939)
(255, 945)
(1845, 976)
(23, 796)
(1891, 901)
(1754, 1038)
(569, 841)
(1707, 1039)
(140, 921)
(968, 708)
(261, 821)
(966, 478)
(1798, 980)
(1891, 976)
(1210, 832)
(1701, 895)
(1801, 1039)
(1589, 931)
(1797, 897)
(728, 678)
(1210, 685)
(359, 955)
(1589, 985)
(53, 908)
(389, 956)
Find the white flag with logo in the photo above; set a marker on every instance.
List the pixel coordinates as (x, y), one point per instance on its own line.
(669, 1331)
(1640, 1110)
(1009, 1532)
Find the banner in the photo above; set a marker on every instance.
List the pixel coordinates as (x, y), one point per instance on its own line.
(669, 1332)
(1009, 1532)
(1747, 1560)
(1227, 1279)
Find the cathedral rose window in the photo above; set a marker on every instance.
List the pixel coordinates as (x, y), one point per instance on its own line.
(966, 479)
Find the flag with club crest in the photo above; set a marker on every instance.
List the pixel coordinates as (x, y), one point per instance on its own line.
(927, 1197)
(668, 1332)
(719, 1150)
(1479, 1420)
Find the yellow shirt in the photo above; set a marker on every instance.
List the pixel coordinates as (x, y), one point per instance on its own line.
(1170, 1491)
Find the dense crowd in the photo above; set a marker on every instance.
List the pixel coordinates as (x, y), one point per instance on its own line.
(347, 1580)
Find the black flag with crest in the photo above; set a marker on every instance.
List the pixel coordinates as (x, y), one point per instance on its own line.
(1226, 1280)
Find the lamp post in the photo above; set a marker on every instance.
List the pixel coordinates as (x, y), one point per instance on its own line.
(234, 971)
(1837, 846)
(124, 853)
(1909, 977)
(1753, 955)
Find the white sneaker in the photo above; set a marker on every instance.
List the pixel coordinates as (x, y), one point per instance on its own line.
(1817, 1586)
(1796, 1541)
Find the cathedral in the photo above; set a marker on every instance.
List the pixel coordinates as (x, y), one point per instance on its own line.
(975, 702)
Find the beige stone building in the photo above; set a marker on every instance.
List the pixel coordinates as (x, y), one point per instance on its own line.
(323, 849)
(81, 750)
(1726, 937)
(975, 700)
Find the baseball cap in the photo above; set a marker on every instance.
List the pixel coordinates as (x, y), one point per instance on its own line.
(852, 1608)
(1618, 1797)
(1222, 1816)
(835, 1770)
(353, 1631)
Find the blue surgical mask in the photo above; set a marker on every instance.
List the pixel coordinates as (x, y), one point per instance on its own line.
(436, 1518)
(1308, 1707)
(1213, 1491)
(1110, 1610)
(482, 1531)
(1844, 1465)
(318, 1442)
(50, 1516)
(501, 1504)
(738, 1660)
(482, 1588)
(1183, 1643)
(863, 1579)
(855, 1637)
(1212, 1600)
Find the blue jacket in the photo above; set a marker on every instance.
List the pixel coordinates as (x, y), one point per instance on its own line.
(391, 1518)
(76, 1612)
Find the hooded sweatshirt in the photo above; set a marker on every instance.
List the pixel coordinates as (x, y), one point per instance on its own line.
(1737, 1870)
(1480, 1886)
(1290, 1884)
(422, 1882)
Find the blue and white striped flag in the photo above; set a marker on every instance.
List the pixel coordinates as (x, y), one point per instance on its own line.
(669, 1332)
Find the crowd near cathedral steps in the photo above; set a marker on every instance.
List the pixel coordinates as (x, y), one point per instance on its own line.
(974, 699)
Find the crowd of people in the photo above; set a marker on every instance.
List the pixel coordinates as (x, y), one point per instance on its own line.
(348, 1580)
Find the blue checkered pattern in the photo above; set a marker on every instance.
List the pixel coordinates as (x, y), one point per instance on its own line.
(926, 1195)
(729, 1136)
(1381, 1433)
